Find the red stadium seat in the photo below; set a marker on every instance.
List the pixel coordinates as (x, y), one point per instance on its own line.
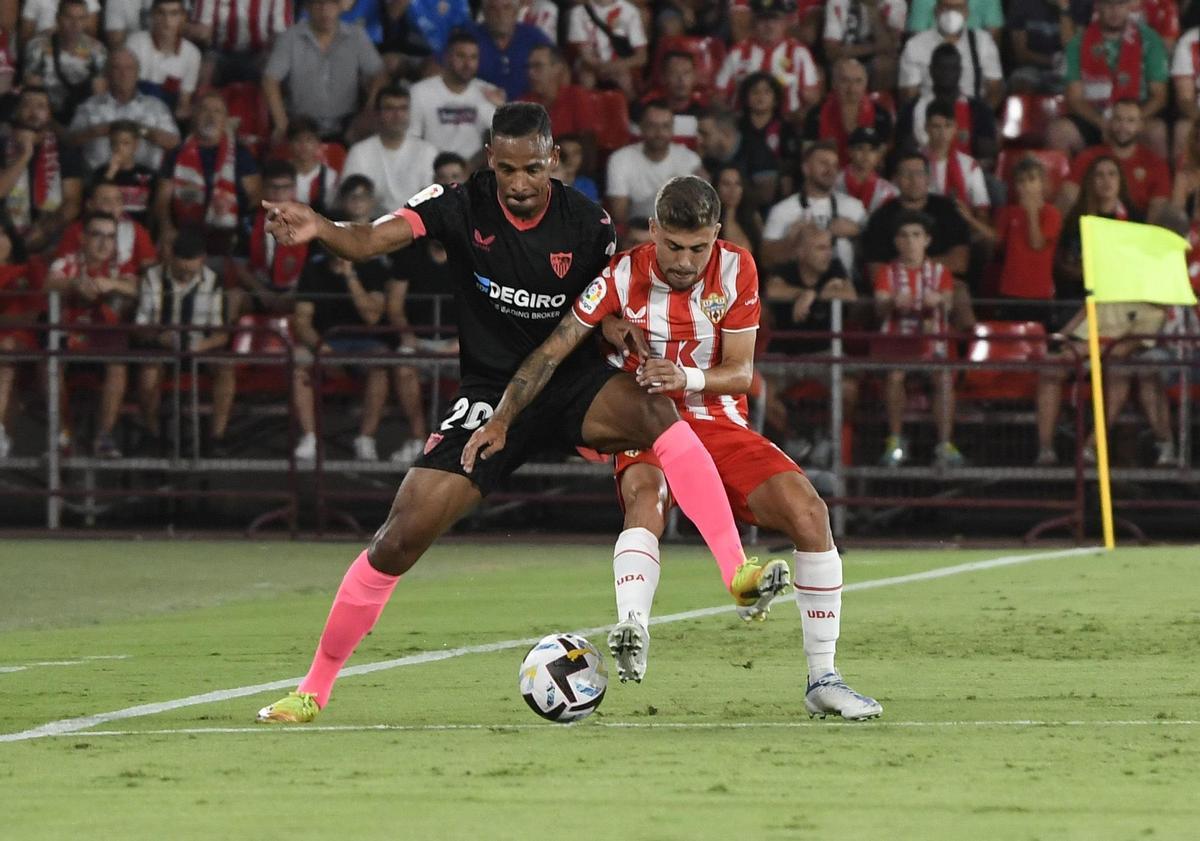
(1057, 164)
(708, 52)
(611, 113)
(249, 115)
(1025, 341)
(1026, 118)
(252, 378)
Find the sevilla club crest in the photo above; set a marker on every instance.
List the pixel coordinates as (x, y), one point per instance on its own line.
(561, 262)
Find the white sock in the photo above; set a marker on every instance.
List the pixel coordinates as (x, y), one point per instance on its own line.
(818, 586)
(635, 571)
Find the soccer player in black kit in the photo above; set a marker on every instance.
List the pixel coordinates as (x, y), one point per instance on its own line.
(522, 247)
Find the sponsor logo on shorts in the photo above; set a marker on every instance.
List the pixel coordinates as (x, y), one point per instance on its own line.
(633, 453)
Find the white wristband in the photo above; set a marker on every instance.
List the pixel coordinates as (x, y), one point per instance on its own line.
(694, 379)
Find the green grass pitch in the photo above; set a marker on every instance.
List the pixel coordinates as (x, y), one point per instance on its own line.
(1054, 699)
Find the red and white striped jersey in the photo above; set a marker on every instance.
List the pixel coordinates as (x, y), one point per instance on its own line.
(895, 280)
(789, 61)
(240, 26)
(683, 326)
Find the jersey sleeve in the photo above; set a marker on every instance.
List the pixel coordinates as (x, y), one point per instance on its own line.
(600, 298)
(436, 211)
(746, 310)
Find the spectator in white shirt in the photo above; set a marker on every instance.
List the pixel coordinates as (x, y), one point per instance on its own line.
(636, 172)
(168, 64)
(398, 163)
(122, 101)
(816, 203)
(122, 18)
(953, 174)
(610, 40)
(868, 30)
(38, 16)
(453, 110)
(982, 75)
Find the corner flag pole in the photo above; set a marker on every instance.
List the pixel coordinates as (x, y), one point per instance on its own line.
(1101, 426)
(1126, 262)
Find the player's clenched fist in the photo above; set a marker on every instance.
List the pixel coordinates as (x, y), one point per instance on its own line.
(290, 222)
(658, 376)
(488, 440)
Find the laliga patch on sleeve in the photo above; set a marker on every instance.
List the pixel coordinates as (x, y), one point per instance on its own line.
(430, 192)
(592, 296)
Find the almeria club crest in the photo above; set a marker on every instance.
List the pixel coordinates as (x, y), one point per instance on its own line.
(561, 262)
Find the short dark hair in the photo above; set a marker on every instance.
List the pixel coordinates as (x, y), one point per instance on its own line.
(62, 4)
(521, 119)
(913, 217)
(92, 215)
(720, 115)
(189, 244)
(939, 107)
(945, 51)
(396, 90)
(911, 153)
(101, 182)
(660, 104)
(1028, 165)
(278, 169)
(122, 127)
(157, 3)
(556, 54)
(1128, 100)
(26, 90)
(447, 158)
(686, 55)
(687, 203)
(301, 125)
(819, 146)
(357, 181)
(461, 36)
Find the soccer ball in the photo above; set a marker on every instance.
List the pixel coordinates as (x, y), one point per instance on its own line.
(563, 678)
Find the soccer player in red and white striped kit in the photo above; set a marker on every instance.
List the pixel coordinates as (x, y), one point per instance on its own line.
(696, 298)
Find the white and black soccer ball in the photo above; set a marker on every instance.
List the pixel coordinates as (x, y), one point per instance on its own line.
(563, 678)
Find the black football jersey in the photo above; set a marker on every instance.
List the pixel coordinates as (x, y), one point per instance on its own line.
(512, 282)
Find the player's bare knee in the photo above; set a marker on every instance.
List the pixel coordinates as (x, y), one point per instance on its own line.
(390, 551)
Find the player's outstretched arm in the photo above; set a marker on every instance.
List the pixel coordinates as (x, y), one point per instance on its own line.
(292, 223)
(524, 387)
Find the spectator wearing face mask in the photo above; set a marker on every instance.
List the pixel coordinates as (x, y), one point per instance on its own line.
(982, 73)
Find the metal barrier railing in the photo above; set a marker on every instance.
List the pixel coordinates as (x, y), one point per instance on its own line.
(857, 486)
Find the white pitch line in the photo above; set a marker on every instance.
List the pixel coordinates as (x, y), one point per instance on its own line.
(85, 659)
(621, 725)
(74, 725)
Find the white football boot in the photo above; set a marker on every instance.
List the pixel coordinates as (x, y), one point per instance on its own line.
(629, 641)
(830, 695)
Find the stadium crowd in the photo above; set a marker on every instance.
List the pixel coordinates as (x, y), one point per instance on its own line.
(908, 159)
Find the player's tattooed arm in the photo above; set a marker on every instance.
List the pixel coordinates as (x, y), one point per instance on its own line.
(527, 383)
(292, 223)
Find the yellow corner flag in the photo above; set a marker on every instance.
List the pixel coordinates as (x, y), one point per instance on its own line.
(1127, 261)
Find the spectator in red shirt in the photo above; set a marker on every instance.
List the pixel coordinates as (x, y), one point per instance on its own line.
(135, 248)
(550, 86)
(912, 297)
(1147, 176)
(1104, 193)
(1026, 235)
(96, 293)
(681, 92)
(19, 304)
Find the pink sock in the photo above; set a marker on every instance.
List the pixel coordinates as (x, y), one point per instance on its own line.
(697, 488)
(356, 607)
